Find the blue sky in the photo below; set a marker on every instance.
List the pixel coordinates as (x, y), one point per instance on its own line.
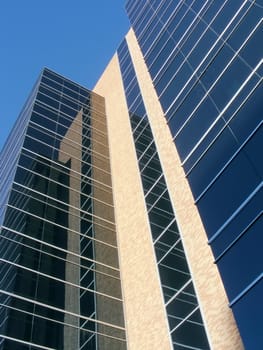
(75, 38)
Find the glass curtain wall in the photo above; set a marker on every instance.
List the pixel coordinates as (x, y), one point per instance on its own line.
(183, 312)
(60, 281)
(205, 61)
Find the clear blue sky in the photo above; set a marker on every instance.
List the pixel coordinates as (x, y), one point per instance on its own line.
(76, 38)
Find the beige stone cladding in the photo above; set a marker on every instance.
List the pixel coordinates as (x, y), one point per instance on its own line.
(218, 318)
(145, 318)
(109, 309)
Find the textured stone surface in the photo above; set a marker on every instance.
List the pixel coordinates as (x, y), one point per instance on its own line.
(145, 317)
(219, 321)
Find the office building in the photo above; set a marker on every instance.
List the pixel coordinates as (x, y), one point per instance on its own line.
(131, 214)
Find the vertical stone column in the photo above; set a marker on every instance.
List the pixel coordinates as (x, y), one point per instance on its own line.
(218, 318)
(145, 318)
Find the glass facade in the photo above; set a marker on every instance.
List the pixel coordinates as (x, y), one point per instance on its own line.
(183, 312)
(60, 280)
(205, 61)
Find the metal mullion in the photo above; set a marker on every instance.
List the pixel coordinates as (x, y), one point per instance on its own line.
(87, 341)
(174, 269)
(130, 86)
(63, 93)
(146, 165)
(46, 131)
(12, 279)
(177, 46)
(135, 100)
(227, 164)
(86, 321)
(156, 195)
(12, 216)
(173, 290)
(136, 12)
(166, 245)
(173, 14)
(5, 318)
(14, 254)
(156, 225)
(125, 64)
(60, 280)
(89, 198)
(53, 134)
(28, 195)
(143, 21)
(161, 71)
(60, 310)
(65, 116)
(134, 105)
(88, 287)
(62, 152)
(88, 269)
(86, 246)
(54, 223)
(144, 153)
(148, 178)
(68, 251)
(130, 4)
(222, 112)
(154, 203)
(154, 18)
(235, 213)
(86, 234)
(64, 79)
(18, 244)
(64, 227)
(186, 346)
(142, 119)
(186, 35)
(132, 83)
(161, 212)
(66, 324)
(239, 236)
(185, 319)
(20, 341)
(168, 251)
(236, 55)
(190, 321)
(61, 202)
(68, 116)
(178, 292)
(208, 53)
(225, 126)
(64, 167)
(122, 56)
(11, 154)
(155, 183)
(141, 133)
(6, 273)
(21, 123)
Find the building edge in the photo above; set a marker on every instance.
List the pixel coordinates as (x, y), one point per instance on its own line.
(218, 318)
(140, 281)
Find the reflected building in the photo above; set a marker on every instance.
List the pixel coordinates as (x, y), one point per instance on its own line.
(60, 281)
(131, 214)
